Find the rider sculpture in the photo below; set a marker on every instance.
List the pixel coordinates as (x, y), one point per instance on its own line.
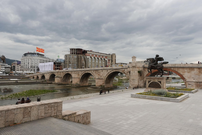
(153, 64)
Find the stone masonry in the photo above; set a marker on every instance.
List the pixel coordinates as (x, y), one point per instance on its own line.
(81, 116)
(21, 113)
(135, 71)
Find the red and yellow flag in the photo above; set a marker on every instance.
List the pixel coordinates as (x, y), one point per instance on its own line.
(39, 50)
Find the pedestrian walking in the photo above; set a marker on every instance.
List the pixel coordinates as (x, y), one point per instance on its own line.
(38, 99)
(100, 92)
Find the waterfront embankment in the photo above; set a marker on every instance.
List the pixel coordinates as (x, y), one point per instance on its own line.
(64, 91)
(19, 82)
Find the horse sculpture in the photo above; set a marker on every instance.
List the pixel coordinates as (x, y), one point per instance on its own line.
(3, 58)
(153, 64)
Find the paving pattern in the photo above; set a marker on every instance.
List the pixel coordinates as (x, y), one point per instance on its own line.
(119, 114)
(51, 126)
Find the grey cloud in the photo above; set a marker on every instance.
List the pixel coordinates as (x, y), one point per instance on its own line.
(127, 28)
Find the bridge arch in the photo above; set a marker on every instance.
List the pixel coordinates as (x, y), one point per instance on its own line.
(168, 69)
(43, 77)
(84, 78)
(37, 77)
(108, 80)
(52, 78)
(67, 78)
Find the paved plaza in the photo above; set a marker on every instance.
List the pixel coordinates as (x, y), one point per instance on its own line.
(119, 114)
(51, 126)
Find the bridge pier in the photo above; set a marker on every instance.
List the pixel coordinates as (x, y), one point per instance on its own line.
(58, 79)
(75, 80)
(99, 82)
(194, 84)
(39, 77)
(47, 77)
(137, 72)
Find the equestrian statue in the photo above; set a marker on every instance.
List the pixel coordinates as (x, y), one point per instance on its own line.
(153, 64)
(3, 58)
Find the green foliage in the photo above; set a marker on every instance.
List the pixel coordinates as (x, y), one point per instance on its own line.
(171, 88)
(173, 95)
(117, 84)
(102, 86)
(182, 89)
(120, 81)
(161, 93)
(27, 93)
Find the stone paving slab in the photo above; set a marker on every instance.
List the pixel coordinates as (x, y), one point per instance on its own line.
(51, 126)
(119, 114)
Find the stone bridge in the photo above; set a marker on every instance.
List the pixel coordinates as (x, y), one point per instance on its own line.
(135, 71)
(102, 76)
(191, 74)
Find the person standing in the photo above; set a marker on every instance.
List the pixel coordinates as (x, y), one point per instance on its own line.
(38, 99)
(100, 92)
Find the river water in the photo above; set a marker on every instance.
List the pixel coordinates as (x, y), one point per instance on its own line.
(64, 91)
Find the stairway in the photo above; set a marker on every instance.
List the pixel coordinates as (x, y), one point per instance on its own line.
(51, 126)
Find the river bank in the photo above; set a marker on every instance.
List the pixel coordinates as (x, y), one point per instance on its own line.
(19, 81)
(64, 91)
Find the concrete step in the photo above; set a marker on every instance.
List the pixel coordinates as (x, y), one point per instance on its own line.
(81, 116)
(51, 126)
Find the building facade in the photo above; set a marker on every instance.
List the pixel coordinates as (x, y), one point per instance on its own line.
(59, 64)
(80, 58)
(5, 68)
(16, 66)
(30, 61)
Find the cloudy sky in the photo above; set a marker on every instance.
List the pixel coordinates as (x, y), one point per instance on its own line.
(141, 28)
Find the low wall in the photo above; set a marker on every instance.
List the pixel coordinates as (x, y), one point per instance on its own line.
(90, 95)
(179, 99)
(181, 91)
(194, 84)
(21, 113)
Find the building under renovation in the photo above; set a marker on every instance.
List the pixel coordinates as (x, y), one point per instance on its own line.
(30, 61)
(80, 58)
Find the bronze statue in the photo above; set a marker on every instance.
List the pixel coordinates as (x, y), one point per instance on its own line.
(153, 64)
(3, 58)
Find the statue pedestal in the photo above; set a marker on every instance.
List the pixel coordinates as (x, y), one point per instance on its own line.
(155, 83)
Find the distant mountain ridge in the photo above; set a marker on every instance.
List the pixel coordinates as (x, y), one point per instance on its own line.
(10, 61)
